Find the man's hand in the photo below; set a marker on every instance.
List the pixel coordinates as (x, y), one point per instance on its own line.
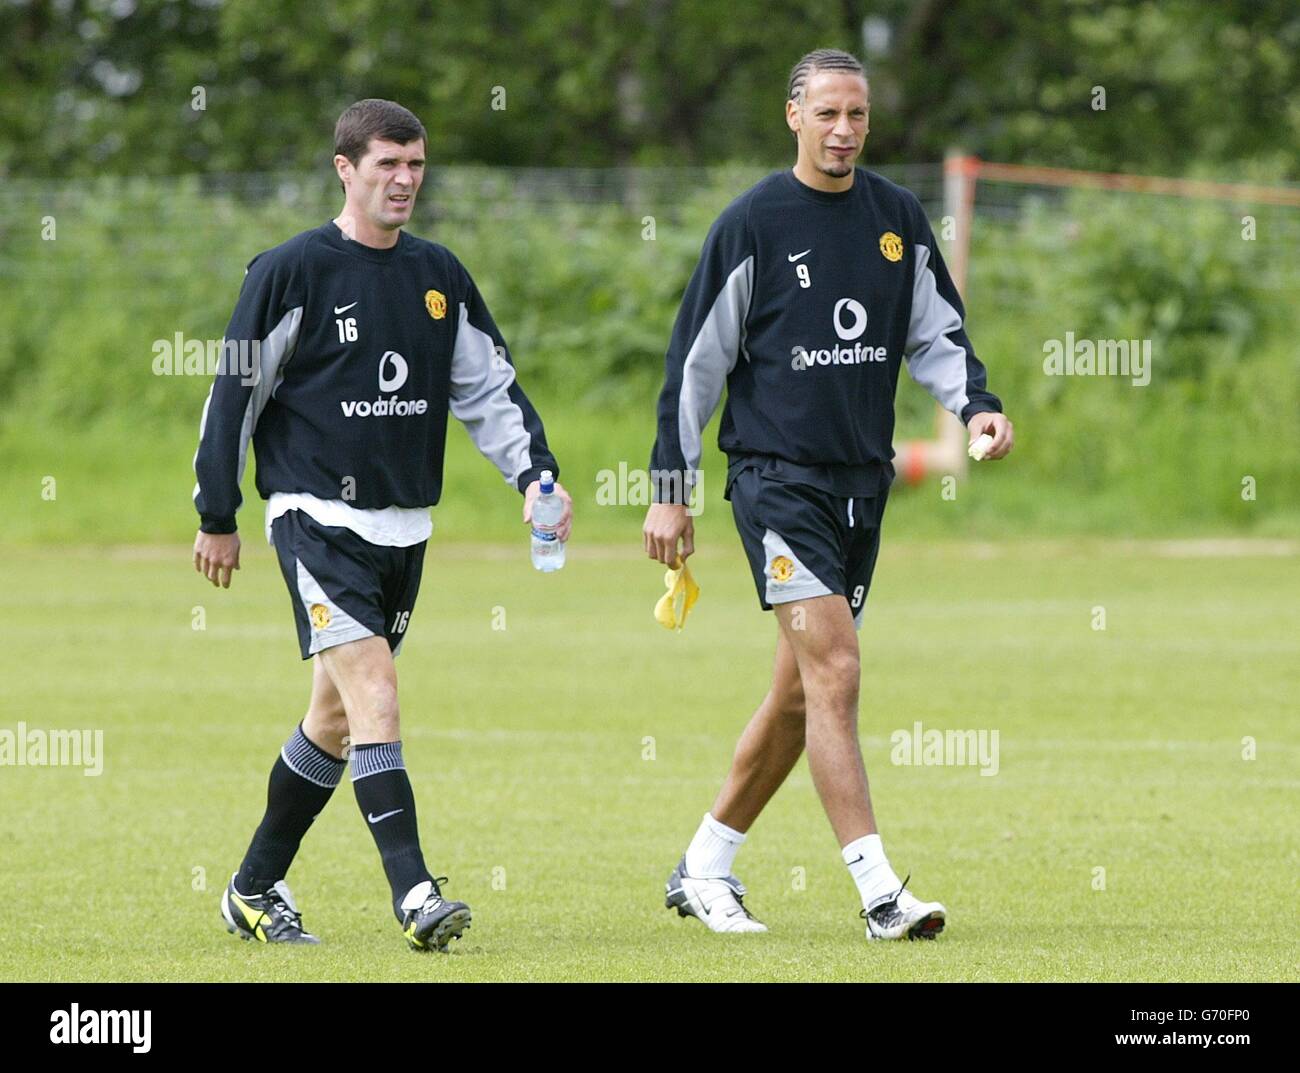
(565, 525)
(216, 555)
(665, 525)
(997, 426)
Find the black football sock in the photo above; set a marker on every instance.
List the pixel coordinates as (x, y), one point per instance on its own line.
(384, 795)
(301, 782)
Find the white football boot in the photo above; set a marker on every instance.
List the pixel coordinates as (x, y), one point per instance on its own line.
(902, 916)
(718, 902)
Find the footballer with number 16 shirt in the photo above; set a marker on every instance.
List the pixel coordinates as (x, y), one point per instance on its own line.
(367, 338)
(813, 289)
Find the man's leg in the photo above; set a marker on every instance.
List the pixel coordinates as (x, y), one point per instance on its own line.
(820, 630)
(765, 755)
(769, 747)
(820, 633)
(365, 677)
(326, 721)
(302, 781)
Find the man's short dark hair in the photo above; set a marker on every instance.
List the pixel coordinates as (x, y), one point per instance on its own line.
(821, 59)
(374, 118)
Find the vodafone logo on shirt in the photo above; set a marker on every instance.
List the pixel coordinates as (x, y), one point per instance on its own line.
(393, 372)
(857, 324)
(394, 360)
(850, 321)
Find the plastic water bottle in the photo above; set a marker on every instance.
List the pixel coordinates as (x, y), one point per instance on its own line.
(548, 508)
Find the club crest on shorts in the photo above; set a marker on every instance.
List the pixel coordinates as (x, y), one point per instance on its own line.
(782, 569)
(320, 616)
(436, 303)
(891, 246)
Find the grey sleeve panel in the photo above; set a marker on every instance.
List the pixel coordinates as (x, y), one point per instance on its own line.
(935, 360)
(707, 339)
(711, 357)
(276, 349)
(273, 351)
(481, 379)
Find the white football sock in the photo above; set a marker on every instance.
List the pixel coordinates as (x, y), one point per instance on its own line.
(713, 849)
(870, 869)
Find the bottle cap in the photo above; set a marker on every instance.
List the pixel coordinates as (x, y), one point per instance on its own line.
(548, 482)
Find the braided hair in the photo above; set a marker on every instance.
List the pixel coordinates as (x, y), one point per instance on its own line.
(821, 59)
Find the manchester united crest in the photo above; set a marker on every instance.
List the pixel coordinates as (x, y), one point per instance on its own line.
(891, 246)
(320, 616)
(782, 569)
(436, 303)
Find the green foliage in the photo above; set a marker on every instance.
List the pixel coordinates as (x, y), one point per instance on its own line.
(162, 88)
(586, 300)
(584, 295)
(1186, 82)
(1225, 377)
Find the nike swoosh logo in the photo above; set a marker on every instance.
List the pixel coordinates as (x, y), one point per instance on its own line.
(375, 819)
(344, 309)
(796, 256)
(861, 857)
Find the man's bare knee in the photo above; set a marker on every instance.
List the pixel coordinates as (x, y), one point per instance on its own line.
(376, 711)
(363, 675)
(834, 675)
(382, 695)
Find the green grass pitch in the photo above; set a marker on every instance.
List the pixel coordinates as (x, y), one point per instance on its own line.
(560, 765)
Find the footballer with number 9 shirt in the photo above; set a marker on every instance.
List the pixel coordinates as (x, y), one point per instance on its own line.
(366, 338)
(813, 288)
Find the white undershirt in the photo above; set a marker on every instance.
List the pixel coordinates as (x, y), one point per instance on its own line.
(392, 527)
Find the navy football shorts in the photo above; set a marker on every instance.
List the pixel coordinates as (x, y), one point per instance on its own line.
(344, 588)
(803, 542)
